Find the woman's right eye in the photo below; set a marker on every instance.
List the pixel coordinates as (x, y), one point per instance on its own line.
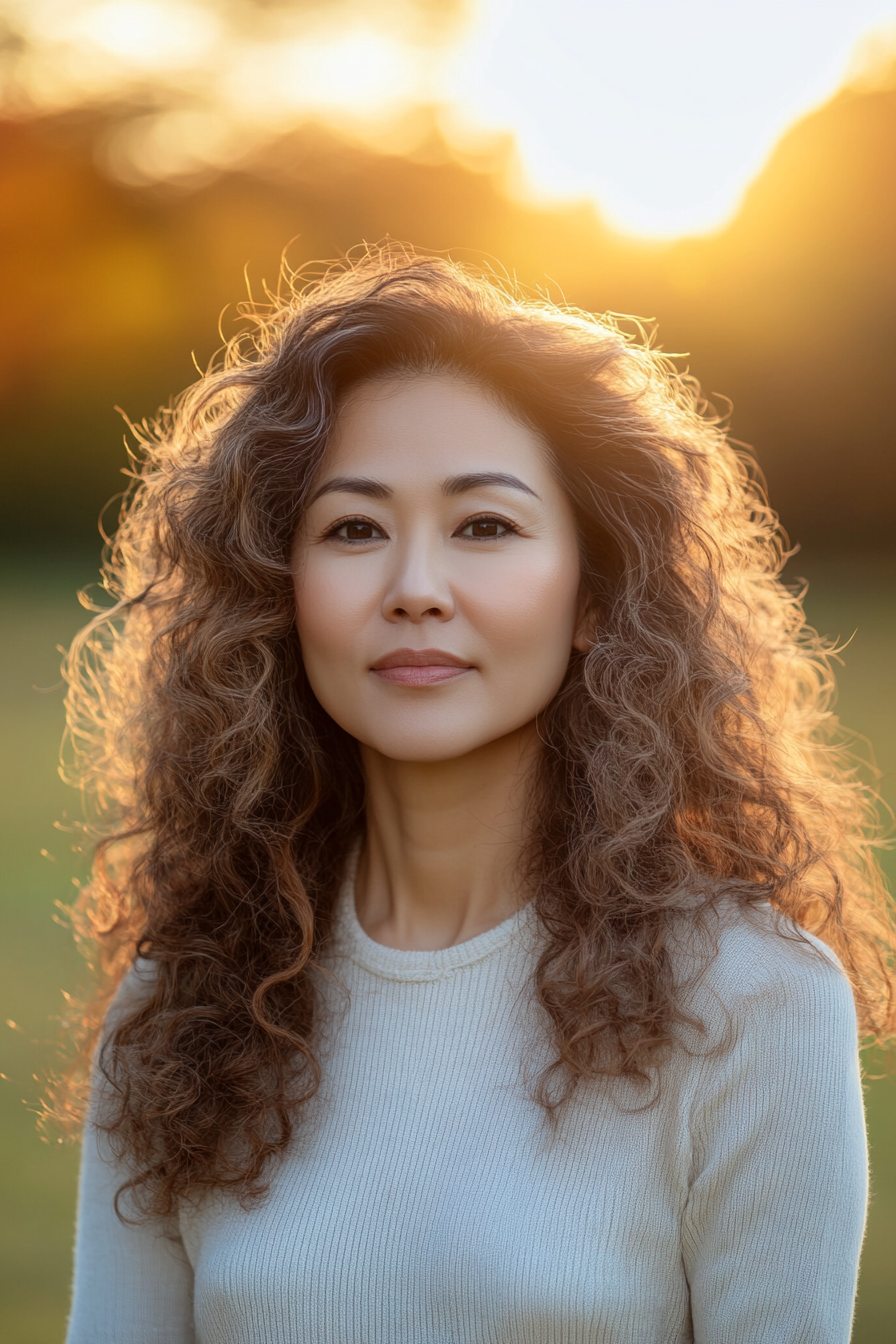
(356, 529)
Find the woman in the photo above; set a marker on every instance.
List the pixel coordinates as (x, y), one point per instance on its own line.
(499, 911)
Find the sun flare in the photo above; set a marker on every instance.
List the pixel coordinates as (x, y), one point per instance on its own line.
(660, 115)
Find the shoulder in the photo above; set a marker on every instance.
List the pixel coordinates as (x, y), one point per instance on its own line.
(752, 970)
(133, 993)
(135, 990)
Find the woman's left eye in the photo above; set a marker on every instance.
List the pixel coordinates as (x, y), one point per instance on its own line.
(485, 528)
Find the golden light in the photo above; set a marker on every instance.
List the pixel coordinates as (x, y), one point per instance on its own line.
(661, 114)
(179, 143)
(354, 72)
(148, 36)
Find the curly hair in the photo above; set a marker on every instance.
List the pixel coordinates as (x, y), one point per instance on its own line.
(688, 756)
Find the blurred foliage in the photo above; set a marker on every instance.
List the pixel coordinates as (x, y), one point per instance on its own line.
(789, 311)
(225, 73)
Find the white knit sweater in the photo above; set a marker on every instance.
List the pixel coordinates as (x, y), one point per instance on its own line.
(425, 1200)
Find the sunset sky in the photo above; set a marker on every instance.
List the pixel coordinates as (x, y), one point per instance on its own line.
(660, 113)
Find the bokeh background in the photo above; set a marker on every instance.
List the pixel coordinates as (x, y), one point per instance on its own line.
(727, 170)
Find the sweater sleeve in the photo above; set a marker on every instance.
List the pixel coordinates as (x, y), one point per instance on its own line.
(776, 1211)
(133, 1283)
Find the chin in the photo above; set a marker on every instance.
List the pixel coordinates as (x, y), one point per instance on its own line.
(414, 751)
(429, 744)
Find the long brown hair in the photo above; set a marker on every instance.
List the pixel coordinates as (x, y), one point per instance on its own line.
(687, 756)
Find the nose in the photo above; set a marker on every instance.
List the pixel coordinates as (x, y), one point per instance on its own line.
(419, 587)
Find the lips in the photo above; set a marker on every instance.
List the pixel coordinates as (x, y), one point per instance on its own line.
(419, 667)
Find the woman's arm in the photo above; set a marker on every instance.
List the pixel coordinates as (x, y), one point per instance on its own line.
(776, 1213)
(133, 1283)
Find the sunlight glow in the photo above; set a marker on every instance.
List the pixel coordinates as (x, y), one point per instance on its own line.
(184, 143)
(660, 114)
(355, 72)
(149, 35)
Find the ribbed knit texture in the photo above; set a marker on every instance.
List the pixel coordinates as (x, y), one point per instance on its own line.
(425, 1199)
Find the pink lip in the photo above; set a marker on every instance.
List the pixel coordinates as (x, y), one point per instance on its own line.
(419, 667)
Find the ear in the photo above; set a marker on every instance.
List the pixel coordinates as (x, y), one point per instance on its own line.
(589, 615)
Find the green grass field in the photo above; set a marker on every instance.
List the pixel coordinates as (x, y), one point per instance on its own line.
(37, 960)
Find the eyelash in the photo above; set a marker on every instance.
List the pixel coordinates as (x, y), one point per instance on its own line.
(510, 529)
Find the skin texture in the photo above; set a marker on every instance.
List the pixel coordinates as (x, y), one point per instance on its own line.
(470, 591)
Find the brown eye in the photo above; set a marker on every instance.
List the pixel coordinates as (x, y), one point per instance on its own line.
(486, 528)
(357, 529)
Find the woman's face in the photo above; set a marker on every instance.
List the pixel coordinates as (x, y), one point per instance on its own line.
(436, 571)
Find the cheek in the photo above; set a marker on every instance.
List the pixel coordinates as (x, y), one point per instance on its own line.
(529, 609)
(328, 609)
(327, 628)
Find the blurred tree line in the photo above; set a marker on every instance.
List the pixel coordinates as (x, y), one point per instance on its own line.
(789, 311)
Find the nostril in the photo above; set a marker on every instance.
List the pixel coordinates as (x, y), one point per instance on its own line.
(418, 613)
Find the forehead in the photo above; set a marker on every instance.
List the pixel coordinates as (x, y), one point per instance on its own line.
(435, 423)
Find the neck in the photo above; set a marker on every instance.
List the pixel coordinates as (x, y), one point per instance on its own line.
(440, 860)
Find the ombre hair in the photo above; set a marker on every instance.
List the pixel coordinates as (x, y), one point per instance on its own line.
(688, 757)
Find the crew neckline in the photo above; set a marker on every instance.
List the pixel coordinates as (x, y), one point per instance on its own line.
(394, 963)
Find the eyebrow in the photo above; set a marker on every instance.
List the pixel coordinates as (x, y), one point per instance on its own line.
(454, 485)
(353, 485)
(459, 485)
